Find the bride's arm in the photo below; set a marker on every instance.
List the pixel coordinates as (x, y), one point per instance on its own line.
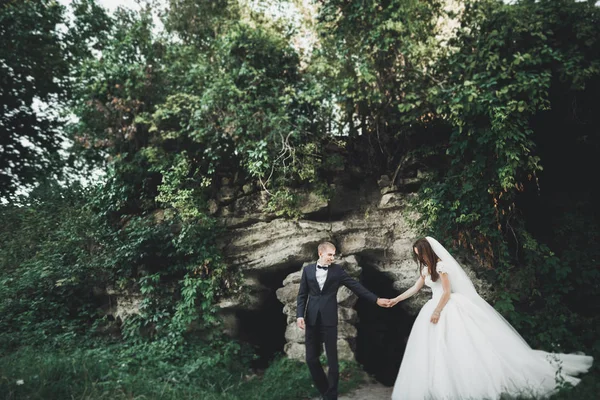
(435, 317)
(409, 292)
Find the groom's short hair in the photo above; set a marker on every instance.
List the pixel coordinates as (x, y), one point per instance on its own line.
(324, 246)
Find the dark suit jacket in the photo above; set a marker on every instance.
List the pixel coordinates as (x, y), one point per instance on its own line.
(311, 300)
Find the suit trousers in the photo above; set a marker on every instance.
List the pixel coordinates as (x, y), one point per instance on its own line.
(316, 335)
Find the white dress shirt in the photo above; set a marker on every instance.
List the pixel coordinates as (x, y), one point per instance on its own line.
(321, 276)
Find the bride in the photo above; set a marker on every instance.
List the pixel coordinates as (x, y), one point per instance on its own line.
(461, 348)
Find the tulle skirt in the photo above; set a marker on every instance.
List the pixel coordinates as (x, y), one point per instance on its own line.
(474, 353)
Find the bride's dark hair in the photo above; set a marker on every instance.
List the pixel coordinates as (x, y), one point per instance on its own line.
(426, 257)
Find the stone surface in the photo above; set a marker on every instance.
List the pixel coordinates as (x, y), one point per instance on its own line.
(311, 203)
(125, 303)
(213, 207)
(371, 390)
(346, 330)
(384, 181)
(294, 334)
(247, 188)
(226, 194)
(347, 314)
(350, 264)
(345, 351)
(369, 225)
(367, 221)
(346, 298)
(293, 278)
(388, 189)
(288, 293)
(391, 200)
(297, 351)
(280, 242)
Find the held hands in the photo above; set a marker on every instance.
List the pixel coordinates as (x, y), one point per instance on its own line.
(385, 303)
(300, 323)
(388, 303)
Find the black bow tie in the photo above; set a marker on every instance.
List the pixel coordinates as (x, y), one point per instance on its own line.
(323, 267)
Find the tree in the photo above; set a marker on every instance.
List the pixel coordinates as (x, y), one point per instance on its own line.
(378, 56)
(39, 47)
(33, 68)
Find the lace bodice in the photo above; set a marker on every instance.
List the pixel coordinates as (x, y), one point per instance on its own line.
(436, 287)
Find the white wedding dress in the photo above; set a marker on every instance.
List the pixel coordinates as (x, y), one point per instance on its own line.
(473, 352)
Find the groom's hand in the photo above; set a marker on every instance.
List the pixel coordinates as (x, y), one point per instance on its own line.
(383, 303)
(300, 323)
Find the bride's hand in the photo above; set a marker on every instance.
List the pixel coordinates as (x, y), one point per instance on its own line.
(435, 317)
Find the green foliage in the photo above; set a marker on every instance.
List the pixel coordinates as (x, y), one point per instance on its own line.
(238, 104)
(172, 116)
(284, 202)
(165, 120)
(60, 257)
(111, 371)
(32, 66)
(51, 264)
(117, 371)
(221, 96)
(39, 49)
(462, 107)
(497, 76)
(377, 56)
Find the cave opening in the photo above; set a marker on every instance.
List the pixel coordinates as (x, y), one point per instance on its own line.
(263, 326)
(382, 333)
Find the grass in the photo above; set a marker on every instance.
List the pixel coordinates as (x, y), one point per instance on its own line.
(113, 372)
(119, 371)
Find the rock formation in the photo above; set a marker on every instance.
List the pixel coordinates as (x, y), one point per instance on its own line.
(370, 226)
(368, 222)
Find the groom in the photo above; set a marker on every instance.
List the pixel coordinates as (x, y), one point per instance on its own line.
(317, 314)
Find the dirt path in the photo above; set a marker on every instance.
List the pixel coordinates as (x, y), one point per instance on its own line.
(372, 390)
(369, 391)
